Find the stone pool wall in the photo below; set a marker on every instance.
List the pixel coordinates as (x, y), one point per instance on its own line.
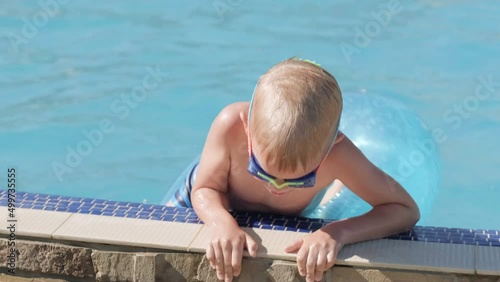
(49, 260)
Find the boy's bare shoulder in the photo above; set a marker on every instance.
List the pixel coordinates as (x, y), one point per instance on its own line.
(228, 122)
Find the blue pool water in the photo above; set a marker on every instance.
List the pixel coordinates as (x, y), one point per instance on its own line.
(67, 68)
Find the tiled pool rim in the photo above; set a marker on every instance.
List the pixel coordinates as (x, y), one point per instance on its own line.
(48, 202)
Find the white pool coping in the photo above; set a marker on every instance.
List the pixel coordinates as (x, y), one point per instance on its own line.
(192, 237)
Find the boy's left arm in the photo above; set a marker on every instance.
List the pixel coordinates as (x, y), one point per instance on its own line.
(393, 211)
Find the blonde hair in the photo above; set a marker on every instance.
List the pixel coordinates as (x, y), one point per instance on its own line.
(295, 113)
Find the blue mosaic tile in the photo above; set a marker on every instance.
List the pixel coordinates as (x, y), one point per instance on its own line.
(191, 216)
(495, 237)
(38, 200)
(291, 223)
(119, 214)
(97, 212)
(27, 202)
(279, 227)
(133, 209)
(143, 214)
(111, 203)
(494, 232)
(170, 212)
(75, 204)
(122, 209)
(315, 226)
(480, 237)
(72, 209)
(84, 210)
(192, 221)
(303, 225)
(148, 207)
(481, 243)
(129, 214)
(156, 214)
(63, 203)
(109, 208)
(87, 205)
(167, 217)
(98, 201)
(495, 243)
(255, 224)
(92, 211)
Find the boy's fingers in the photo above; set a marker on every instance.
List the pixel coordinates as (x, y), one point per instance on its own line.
(301, 261)
(227, 249)
(295, 246)
(312, 258)
(219, 261)
(330, 260)
(236, 259)
(320, 265)
(211, 256)
(251, 245)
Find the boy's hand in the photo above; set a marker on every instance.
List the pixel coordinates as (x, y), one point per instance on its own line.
(225, 250)
(316, 254)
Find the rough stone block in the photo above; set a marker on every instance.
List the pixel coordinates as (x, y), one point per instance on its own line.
(144, 268)
(177, 266)
(49, 258)
(284, 271)
(3, 252)
(113, 266)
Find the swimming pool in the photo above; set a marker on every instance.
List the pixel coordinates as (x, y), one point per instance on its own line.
(65, 67)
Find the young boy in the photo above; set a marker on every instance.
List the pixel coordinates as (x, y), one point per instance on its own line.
(275, 154)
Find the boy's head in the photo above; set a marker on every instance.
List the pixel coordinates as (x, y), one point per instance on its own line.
(294, 116)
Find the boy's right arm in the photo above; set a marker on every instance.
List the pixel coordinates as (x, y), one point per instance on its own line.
(210, 201)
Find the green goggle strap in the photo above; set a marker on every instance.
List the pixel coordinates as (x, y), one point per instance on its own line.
(278, 186)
